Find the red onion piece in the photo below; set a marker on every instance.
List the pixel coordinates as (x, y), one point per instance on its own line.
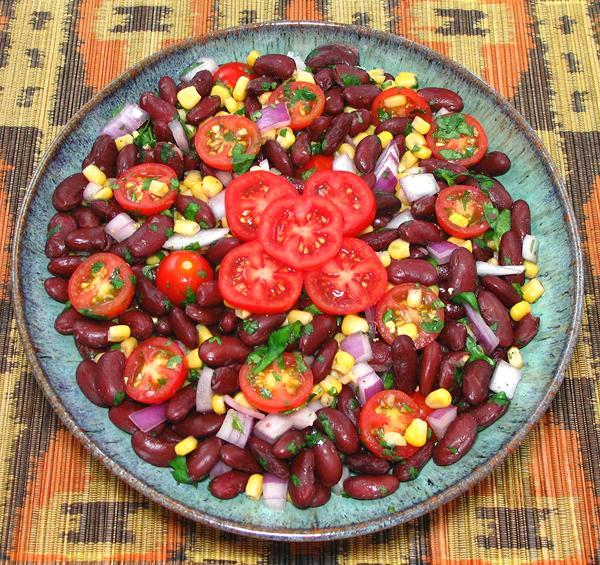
(219, 469)
(399, 219)
(217, 205)
(367, 386)
(487, 269)
(236, 428)
(359, 346)
(273, 427)
(440, 419)
(179, 135)
(505, 378)
(305, 416)
(483, 333)
(203, 238)
(273, 117)
(204, 391)
(338, 488)
(121, 227)
(90, 190)
(148, 418)
(441, 251)
(243, 409)
(203, 64)
(361, 369)
(343, 163)
(130, 118)
(274, 491)
(419, 186)
(224, 176)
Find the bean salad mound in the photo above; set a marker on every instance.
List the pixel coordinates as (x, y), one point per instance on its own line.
(295, 277)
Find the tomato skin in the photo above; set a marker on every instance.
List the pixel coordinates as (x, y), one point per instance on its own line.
(180, 271)
(415, 105)
(280, 399)
(247, 197)
(148, 204)
(118, 299)
(227, 137)
(450, 200)
(300, 120)
(349, 193)
(229, 73)
(153, 361)
(371, 421)
(242, 282)
(420, 400)
(336, 288)
(315, 164)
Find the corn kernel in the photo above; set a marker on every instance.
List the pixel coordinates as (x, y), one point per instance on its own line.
(520, 310)
(339, 337)
(128, 345)
(327, 399)
(331, 385)
(191, 178)
(217, 403)
(343, 362)
(439, 398)
(240, 90)
(346, 379)
(532, 290)
(385, 258)
(188, 97)
(193, 359)
(190, 130)
(390, 325)
(242, 314)
(224, 223)
(408, 160)
(349, 109)
(359, 137)
(198, 191)
(368, 229)
(352, 324)
(301, 316)
(203, 333)
(414, 298)
(186, 446)
(211, 186)
(118, 333)
(254, 486)
(399, 249)
(377, 75)
(285, 138)
(406, 80)
(466, 243)
(305, 76)
(531, 269)
(153, 260)
(264, 98)
(395, 439)
(242, 400)
(186, 227)
(105, 193)
(395, 101)
(420, 125)
(422, 152)
(158, 188)
(94, 174)
(316, 392)
(221, 92)
(269, 134)
(123, 141)
(221, 113)
(232, 105)
(435, 289)
(252, 56)
(458, 220)
(416, 433)
(413, 139)
(409, 329)
(385, 137)
(492, 261)
(514, 357)
(346, 149)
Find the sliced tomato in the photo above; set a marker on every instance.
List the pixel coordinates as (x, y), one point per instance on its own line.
(305, 102)
(387, 411)
(459, 138)
(387, 106)
(229, 73)
(285, 384)
(228, 142)
(155, 370)
(349, 193)
(315, 164)
(247, 197)
(462, 203)
(393, 309)
(301, 232)
(102, 286)
(252, 280)
(132, 188)
(180, 274)
(350, 282)
(418, 397)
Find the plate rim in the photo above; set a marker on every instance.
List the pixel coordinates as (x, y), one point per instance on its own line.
(294, 534)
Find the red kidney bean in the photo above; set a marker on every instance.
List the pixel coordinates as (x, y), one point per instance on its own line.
(510, 253)
(430, 366)
(387, 203)
(379, 240)
(169, 154)
(166, 434)
(251, 106)
(109, 378)
(338, 130)
(153, 450)
(349, 405)
(382, 353)
(106, 209)
(370, 487)
(206, 108)
(482, 253)
(333, 54)
(229, 322)
(55, 247)
(199, 425)
(300, 152)
(366, 463)
(69, 193)
(499, 196)
(420, 232)
(334, 102)
(67, 320)
(104, 155)
(86, 351)
(457, 441)
(525, 330)
(321, 497)
(85, 217)
(261, 84)
(367, 153)
(206, 316)
(324, 328)
(361, 96)
(432, 165)
(520, 218)
(424, 208)
(380, 222)
(203, 82)
(410, 468)
(229, 485)
(419, 252)
(503, 291)
(339, 429)
(93, 333)
(218, 250)
(412, 270)
(344, 74)
(263, 453)
(119, 415)
(163, 326)
(302, 486)
(278, 66)
(439, 98)
(62, 223)
(150, 237)
(328, 464)
(317, 129)
(88, 239)
(487, 413)
(151, 299)
(227, 351)
(324, 79)
(157, 108)
(167, 90)
(443, 272)
(240, 459)
(361, 120)
(463, 272)
(139, 322)
(86, 379)
(162, 132)
(288, 445)
(499, 353)
(181, 403)
(208, 295)
(396, 126)
(453, 336)
(494, 313)
(404, 364)
(278, 157)
(225, 380)
(493, 164)
(451, 363)
(321, 366)
(201, 461)
(183, 328)
(476, 380)
(147, 155)
(56, 287)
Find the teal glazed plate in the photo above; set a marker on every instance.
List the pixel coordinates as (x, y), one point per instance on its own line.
(533, 177)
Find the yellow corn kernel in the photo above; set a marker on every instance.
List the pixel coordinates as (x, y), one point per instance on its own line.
(394, 439)
(385, 258)
(439, 398)
(254, 486)
(203, 333)
(105, 193)
(531, 269)
(153, 260)
(191, 178)
(343, 362)
(395, 101)
(345, 379)
(188, 97)
(390, 325)
(368, 229)
(221, 92)
(406, 80)
(228, 305)
(352, 324)
(422, 152)
(94, 174)
(466, 243)
(414, 298)
(359, 137)
(377, 75)
(346, 149)
(211, 186)
(399, 249)
(327, 399)
(492, 261)
(242, 400)
(118, 333)
(420, 125)
(224, 223)
(331, 385)
(158, 188)
(252, 56)
(217, 403)
(269, 134)
(301, 316)
(409, 329)
(385, 137)
(416, 433)
(520, 310)
(186, 227)
(339, 337)
(305, 76)
(316, 392)
(408, 160)
(186, 446)
(198, 191)
(193, 359)
(264, 98)
(459, 219)
(532, 290)
(222, 113)
(514, 357)
(285, 138)
(390, 286)
(232, 105)
(123, 141)
(240, 90)
(128, 345)
(242, 314)
(413, 139)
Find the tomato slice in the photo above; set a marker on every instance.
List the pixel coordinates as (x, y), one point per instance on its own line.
(252, 280)
(301, 232)
(412, 105)
(350, 282)
(315, 164)
(180, 274)
(459, 138)
(228, 142)
(229, 73)
(155, 370)
(305, 102)
(102, 286)
(418, 397)
(285, 384)
(349, 193)
(132, 189)
(462, 203)
(394, 310)
(247, 197)
(387, 411)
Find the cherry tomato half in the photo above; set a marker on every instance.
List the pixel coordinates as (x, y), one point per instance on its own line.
(350, 282)
(316, 164)
(229, 73)
(285, 384)
(102, 286)
(228, 142)
(428, 316)
(247, 197)
(180, 274)
(389, 104)
(252, 280)
(462, 204)
(387, 411)
(305, 102)
(155, 370)
(134, 190)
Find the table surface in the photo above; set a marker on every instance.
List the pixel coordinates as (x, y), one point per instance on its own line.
(57, 504)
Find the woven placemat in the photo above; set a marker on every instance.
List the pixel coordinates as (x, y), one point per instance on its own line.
(59, 505)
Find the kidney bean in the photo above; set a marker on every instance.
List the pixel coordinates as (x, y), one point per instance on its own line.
(278, 66)
(499, 353)
(361, 120)
(56, 288)
(153, 450)
(453, 336)
(199, 425)
(166, 433)
(443, 272)
(66, 321)
(463, 273)
(386, 203)
(451, 363)
(324, 79)
(203, 82)
(333, 54)
(499, 196)
(439, 98)
(370, 487)
(206, 108)
(150, 237)
(157, 108)
(218, 250)
(240, 459)
(328, 464)
(263, 453)
(109, 378)
(430, 366)
(162, 132)
(106, 209)
(251, 105)
(382, 353)
(167, 90)
(420, 252)
(525, 330)
(317, 129)
(181, 403)
(476, 380)
(88, 239)
(412, 270)
(367, 153)
(321, 497)
(104, 155)
(521, 218)
(457, 441)
(119, 415)
(404, 364)
(334, 103)
(324, 328)
(494, 312)
(342, 74)
(432, 165)
(227, 351)
(502, 290)
(288, 445)
(55, 247)
(169, 154)
(229, 485)
(151, 299)
(302, 489)
(205, 316)
(380, 240)
(410, 468)
(62, 224)
(361, 96)
(300, 152)
(380, 222)
(201, 461)
(69, 193)
(366, 463)
(229, 322)
(348, 404)
(396, 126)
(85, 218)
(86, 379)
(225, 380)
(321, 366)
(487, 413)
(278, 157)
(93, 333)
(510, 254)
(147, 155)
(424, 208)
(183, 328)
(420, 231)
(261, 84)
(340, 126)
(208, 295)
(339, 429)
(86, 351)
(482, 253)
(493, 164)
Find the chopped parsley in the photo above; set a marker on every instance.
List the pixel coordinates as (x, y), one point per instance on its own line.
(433, 326)
(215, 339)
(388, 315)
(453, 450)
(241, 161)
(452, 126)
(308, 329)
(466, 298)
(264, 355)
(52, 231)
(326, 425)
(388, 380)
(292, 448)
(413, 473)
(250, 326)
(191, 210)
(448, 176)
(300, 364)
(174, 362)
(115, 280)
(97, 267)
(518, 289)
(350, 80)
(236, 424)
(300, 95)
(118, 397)
(500, 222)
(305, 175)
(499, 398)
(476, 352)
(382, 115)
(295, 480)
(180, 470)
(313, 310)
(451, 155)
(145, 136)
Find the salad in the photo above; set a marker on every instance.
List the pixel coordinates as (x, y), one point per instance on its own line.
(295, 278)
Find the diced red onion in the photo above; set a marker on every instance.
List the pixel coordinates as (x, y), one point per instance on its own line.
(204, 391)
(419, 186)
(264, 165)
(342, 162)
(224, 176)
(338, 488)
(487, 269)
(203, 239)
(243, 409)
(505, 378)
(204, 64)
(130, 118)
(441, 251)
(121, 227)
(531, 245)
(217, 205)
(272, 427)
(233, 423)
(361, 369)
(275, 491)
(300, 66)
(148, 418)
(389, 159)
(90, 190)
(399, 219)
(219, 469)
(305, 416)
(359, 346)
(273, 117)
(415, 171)
(440, 419)
(367, 386)
(442, 112)
(483, 333)
(179, 135)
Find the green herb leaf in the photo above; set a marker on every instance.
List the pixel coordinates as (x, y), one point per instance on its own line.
(174, 362)
(250, 326)
(446, 175)
(191, 210)
(500, 222)
(466, 298)
(52, 231)
(350, 80)
(388, 380)
(313, 310)
(193, 375)
(518, 289)
(145, 137)
(485, 182)
(413, 473)
(326, 425)
(499, 398)
(236, 424)
(292, 448)
(313, 439)
(316, 147)
(300, 364)
(118, 397)
(475, 351)
(388, 315)
(97, 267)
(450, 154)
(264, 355)
(215, 339)
(382, 115)
(301, 95)
(180, 470)
(295, 480)
(305, 175)
(241, 161)
(433, 326)
(458, 375)
(308, 329)
(452, 126)
(453, 450)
